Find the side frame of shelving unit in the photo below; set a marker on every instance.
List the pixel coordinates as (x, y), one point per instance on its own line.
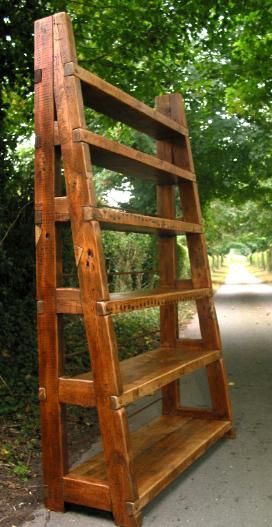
(133, 468)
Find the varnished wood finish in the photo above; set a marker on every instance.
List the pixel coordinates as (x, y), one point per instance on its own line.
(48, 273)
(125, 221)
(190, 344)
(168, 446)
(78, 391)
(217, 378)
(115, 219)
(111, 101)
(141, 375)
(168, 260)
(123, 302)
(128, 161)
(68, 299)
(92, 275)
(62, 209)
(198, 413)
(86, 491)
(200, 271)
(162, 450)
(133, 468)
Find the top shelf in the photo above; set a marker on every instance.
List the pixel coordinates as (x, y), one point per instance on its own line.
(117, 104)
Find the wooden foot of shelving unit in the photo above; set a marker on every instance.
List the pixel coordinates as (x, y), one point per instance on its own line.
(161, 451)
(133, 467)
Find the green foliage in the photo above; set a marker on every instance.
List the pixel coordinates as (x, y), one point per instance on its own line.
(15, 456)
(262, 259)
(130, 260)
(245, 227)
(183, 264)
(22, 471)
(250, 90)
(137, 331)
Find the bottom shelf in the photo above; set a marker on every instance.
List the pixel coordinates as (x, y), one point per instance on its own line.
(162, 450)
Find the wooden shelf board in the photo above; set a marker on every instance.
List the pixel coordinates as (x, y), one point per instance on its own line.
(68, 299)
(152, 370)
(119, 220)
(167, 447)
(113, 102)
(142, 375)
(141, 299)
(130, 162)
(162, 450)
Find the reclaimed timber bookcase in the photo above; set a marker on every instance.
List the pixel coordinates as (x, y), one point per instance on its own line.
(133, 468)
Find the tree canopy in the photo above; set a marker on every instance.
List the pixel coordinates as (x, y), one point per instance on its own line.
(215, 53)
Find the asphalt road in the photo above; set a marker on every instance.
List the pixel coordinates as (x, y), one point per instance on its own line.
(231, 485)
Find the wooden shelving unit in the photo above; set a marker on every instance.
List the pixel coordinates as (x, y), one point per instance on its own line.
(133, 467)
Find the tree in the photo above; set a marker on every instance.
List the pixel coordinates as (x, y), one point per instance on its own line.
(246, 226)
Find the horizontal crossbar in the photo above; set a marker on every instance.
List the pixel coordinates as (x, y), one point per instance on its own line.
(115, 103)
(116, 219)
(130, 162)
(68, 299)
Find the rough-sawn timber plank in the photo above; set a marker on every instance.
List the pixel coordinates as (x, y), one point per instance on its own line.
(128, 161)
(115, 219)
(161, 450)
(111, 101)
(141, 375)
(68, 299)
(123, 302)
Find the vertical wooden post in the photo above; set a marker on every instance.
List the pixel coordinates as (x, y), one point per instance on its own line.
(166, 207)
(92, 279)
(48, 272)
(200, 270)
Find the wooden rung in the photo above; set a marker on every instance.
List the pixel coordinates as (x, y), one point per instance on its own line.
(191, 344)
(198, 413)
(62, 212)
(150, 371)
(129, 222)
(145, 373)
(86, 491)
(141, 299)
(162, 450)
(77, 391)
(119, 220)
(68, 299)
(111, 101)
(128, 161)
(184, 283)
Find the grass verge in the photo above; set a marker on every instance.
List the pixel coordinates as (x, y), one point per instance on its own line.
(219, 277)
(263, 275)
